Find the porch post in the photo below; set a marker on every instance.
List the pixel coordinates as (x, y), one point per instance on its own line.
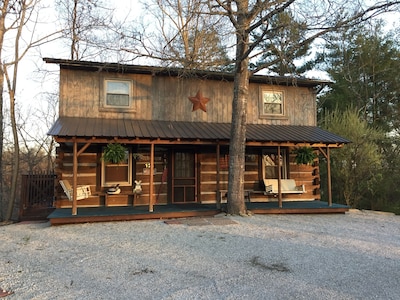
(218, 179)
(328, 171)
(328, 159)
(151, 181)
(279, 178)
(74, 178)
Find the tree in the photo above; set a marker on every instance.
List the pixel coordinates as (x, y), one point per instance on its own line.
(284, 48)
(316, 18)
(89, 29)
(265, 35)
(37, 148)
(364, 62)
(389, 190)
(15, 19)
(17, 13)
(183, 37)
(3, 30)
(356, 168)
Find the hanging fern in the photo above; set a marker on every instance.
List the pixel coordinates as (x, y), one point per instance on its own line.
(114, 153)
(304, 155)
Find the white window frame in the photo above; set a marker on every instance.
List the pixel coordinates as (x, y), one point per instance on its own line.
(269, 96)
(127, 164)
(129, 94)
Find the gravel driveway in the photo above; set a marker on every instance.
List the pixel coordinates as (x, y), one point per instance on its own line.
(350, 256)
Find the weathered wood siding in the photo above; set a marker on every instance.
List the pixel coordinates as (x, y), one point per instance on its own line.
(160, 187)
(87, 166)
(89, 173)
(166, 98)
(302, 174)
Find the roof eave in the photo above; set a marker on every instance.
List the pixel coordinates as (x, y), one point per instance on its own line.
(162, 71)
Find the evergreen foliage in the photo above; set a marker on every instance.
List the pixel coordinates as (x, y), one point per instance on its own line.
(364, 62)
(114, 153)
(356, 169)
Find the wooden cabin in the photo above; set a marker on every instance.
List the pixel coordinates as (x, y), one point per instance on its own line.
(175, 125)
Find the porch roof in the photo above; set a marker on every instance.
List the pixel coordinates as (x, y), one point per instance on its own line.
(68, 127)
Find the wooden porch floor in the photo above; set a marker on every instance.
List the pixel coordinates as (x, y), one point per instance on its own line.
(63, 216)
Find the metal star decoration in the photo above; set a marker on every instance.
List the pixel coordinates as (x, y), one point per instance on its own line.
(199, 102)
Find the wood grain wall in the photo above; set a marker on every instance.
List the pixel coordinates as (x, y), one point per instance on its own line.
(302, 174)
(89, 172)
(166, 98)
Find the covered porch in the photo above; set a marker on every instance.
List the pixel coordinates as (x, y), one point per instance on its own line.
(82, 139)
(62, 216)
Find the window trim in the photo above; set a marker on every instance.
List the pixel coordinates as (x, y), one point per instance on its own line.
(103, 104)
(264, 91)
(129, 165)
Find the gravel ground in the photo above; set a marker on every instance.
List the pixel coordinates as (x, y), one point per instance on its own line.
(350, 256)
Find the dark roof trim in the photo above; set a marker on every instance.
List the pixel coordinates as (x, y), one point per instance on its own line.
(69, 127)
(161, 71)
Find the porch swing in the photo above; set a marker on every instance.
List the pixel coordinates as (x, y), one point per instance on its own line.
(82, 191)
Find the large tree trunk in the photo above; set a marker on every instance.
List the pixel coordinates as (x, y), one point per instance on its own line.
(15, 165)
(2, 198)
(237, 146)
(12, 87)
(2, 33)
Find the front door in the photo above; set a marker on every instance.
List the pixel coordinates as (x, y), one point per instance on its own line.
(184, 178)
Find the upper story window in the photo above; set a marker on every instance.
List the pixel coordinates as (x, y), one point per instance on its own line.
(272, 103)
(118, 94)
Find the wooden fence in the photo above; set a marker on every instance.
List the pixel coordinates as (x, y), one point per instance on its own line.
(37, 195)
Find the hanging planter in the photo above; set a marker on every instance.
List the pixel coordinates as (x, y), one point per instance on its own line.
(304, 155)
(114, 153)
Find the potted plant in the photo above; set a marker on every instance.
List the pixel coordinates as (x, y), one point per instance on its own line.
(114, 153)
(304, 155)
(146, 170)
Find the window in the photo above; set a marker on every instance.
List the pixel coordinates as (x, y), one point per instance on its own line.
(272, 102)
(112, 174)
(270, 163)
(118, 94)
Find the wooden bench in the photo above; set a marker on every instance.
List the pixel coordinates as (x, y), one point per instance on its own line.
(124, 198)
(288, 186)
(121, 199)
(224, 194)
